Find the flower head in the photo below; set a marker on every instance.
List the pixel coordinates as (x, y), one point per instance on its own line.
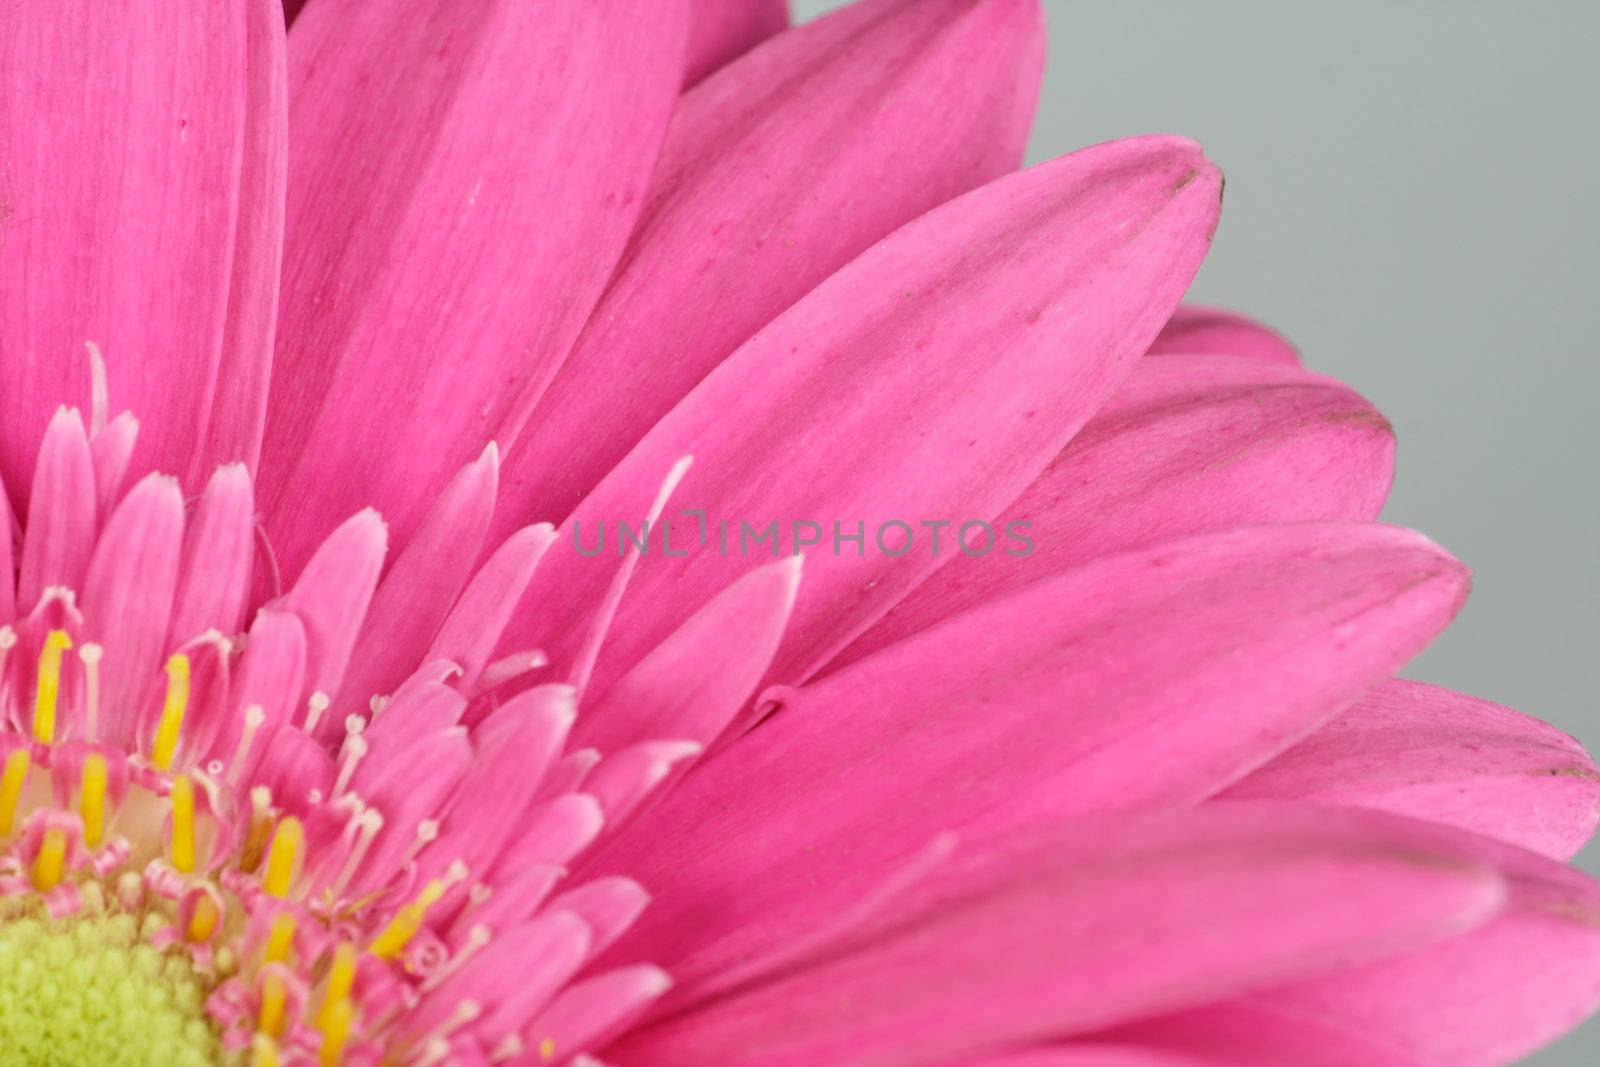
(318, 747)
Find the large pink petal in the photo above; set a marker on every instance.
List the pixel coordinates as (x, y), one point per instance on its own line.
(933, 377)
(1188, 444)
(1479, 1000)
(722, 30)
(1438, 755)
(463, 178)
(776, 173)
(1083, 923)
(1197, 331)
(1147, 679)
(133, 135)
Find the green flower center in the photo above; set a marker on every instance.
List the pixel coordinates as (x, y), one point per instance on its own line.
(92, 990)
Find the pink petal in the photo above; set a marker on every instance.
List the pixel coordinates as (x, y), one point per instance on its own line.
(122, 210)
(1199, 331)
(553, 833)
(8, 559)
(332, 593)
(775, 174)
(1482, 999)
(111, 451)
(419, 590)
(271, 676)
(608, 905)
(1152, 678)
(622, 781)
(420, 707)
(1423, 751)
(691, 685)
(218, 557)
(907, 385)
(464, 177)
(61, 511)
(472, 629)
(1088, 922)
(1232, 1035)
(587, 1012)
(723, 30)
(127, 598)
(1187, 445)
(407, 789)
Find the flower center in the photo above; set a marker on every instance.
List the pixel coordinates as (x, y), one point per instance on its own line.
(92, 989)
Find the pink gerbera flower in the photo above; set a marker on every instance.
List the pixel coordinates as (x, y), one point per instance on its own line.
(318, 747)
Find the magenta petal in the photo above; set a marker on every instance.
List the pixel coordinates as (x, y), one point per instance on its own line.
(331, 597)
(1200, 331)
(1084, 923)
(1152, 678)
(61, 511)
(775, 174)
(127, 599)
(218, 557)
(126, 134)
(1187, 444)
(468, 635)
(929, 353)
(1423, 751)
(463, 177)
(691, 685)
(723, 30)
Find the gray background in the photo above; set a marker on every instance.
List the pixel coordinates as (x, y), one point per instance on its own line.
(1411, 198)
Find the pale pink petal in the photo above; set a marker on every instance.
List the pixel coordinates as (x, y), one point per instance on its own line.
(421, 707)
(1085, 923)
(471, 631)
(586, 1013)
(61, 511)
(218, 557)
(1153, 678)
(691, 685)
(930, 355)
(8, 559)
(239, 410)
(608, 905)
(127, 600)
(111, 450)
(271, 677)
(622, 781)
(331, 597)
(1188, 444)
(463, 179)
(1200, 331)
(552, 833)
(1485, 998)
(294, 768)
(722, 30)
(408, 789)
(775, 174)
(124, 132)
(1423, 751)
(419, 589)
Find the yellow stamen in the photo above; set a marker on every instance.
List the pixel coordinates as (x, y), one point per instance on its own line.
(334, 1023)
(183, 823)
(51, 862)
(287, 841)
(263, 1051)
(260, 828)
(92, 799)
(280, 939)
(547, 1049)
(341, 978)
(203, 922)
(166, 742)
(407, 921)
(273, 998)
(47, 693)
(12, 780)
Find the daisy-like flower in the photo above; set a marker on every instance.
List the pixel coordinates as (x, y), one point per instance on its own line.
(318, 747)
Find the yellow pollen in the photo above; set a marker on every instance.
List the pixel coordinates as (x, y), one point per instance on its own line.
(260, 828)
(47, 693)
(263, 1051)
(334, 1022)
(12, 780)
(287, 841)
(273, 997)
(547, 1049)
(183, 823)
(92, 799)
(203, 923)
(280, 939)
(341, 978)
(51, 862)
(177, 702)
(407, 921)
